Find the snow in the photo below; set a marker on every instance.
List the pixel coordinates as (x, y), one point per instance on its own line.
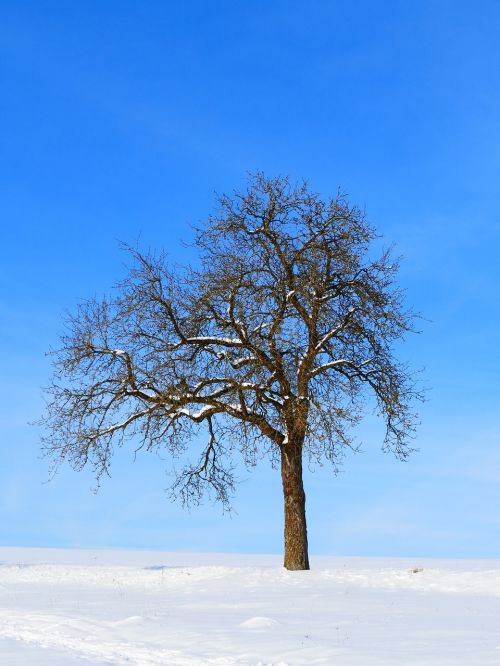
(216, 340)
(195, 415)
(151, 608)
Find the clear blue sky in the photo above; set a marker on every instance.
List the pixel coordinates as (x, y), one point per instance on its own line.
(120, 119)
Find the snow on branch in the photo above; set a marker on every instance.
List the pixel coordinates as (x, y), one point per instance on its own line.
(341, 361)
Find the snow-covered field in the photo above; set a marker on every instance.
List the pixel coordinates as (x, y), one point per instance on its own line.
(66, 607)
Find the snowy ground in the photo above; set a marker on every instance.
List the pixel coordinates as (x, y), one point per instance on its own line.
(67, 607)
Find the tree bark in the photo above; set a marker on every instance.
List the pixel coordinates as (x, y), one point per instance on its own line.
(296, 551)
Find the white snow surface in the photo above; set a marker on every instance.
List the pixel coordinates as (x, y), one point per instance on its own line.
(65, 607)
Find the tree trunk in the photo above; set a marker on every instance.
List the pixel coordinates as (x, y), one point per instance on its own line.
(296, 554)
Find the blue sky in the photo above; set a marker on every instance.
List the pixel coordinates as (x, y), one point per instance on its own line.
(120, 120)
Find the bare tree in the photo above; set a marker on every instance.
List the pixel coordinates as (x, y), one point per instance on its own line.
(272, 346)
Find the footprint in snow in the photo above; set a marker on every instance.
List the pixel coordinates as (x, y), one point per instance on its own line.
(133, 619)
